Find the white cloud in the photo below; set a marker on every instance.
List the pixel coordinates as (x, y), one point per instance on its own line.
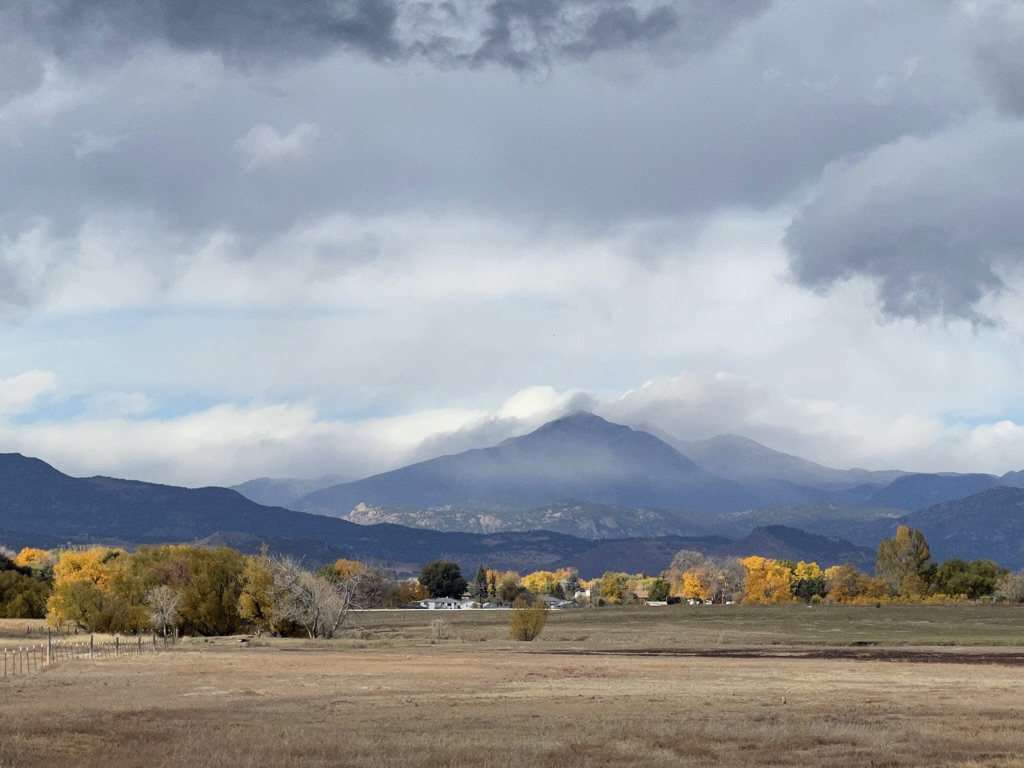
(227, 444)
(235, 443)
(20, 393)
(265, 147)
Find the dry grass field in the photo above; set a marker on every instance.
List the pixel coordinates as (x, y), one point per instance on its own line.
(392, 695)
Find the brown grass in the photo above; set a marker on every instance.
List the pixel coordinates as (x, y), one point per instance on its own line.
(393, 697)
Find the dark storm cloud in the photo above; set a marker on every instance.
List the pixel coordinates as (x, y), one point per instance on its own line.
(520, 34)
(934, 222)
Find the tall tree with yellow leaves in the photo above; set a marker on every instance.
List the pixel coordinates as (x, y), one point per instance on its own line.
(905, 563)
(767, 581)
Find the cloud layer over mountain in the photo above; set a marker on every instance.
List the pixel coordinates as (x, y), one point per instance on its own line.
(309, 237)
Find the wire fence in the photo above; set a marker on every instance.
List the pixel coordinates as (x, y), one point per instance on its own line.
(26, 659)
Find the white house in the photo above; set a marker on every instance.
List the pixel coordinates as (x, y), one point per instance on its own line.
(441, 603)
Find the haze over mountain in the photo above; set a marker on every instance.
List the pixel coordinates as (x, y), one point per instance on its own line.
(580, 456)
(741, 459)
(918, 491)
(282, 492)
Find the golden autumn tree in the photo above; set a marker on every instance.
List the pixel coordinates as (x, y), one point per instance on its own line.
(614, 587)
(95, 565)
(767, 581)
(905, 563)
(695, 585)
(256, 602)
(539, 582)
(31, 557)
(844, 583)
(93, 589)
(807, 581)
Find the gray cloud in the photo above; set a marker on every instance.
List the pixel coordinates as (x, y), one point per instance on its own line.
(520, 34)
(934, 221)
(999, 53)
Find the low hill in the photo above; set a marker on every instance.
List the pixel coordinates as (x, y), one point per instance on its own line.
(986, 525)
(781, 542)
(921, 490)
(862, 525)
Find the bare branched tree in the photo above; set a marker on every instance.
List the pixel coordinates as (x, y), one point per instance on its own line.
(164, 607)
(1011, 587)
(686, 559)
(320, 605)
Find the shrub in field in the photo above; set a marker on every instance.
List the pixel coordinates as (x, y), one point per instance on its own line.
(440, 629)
(528, 619)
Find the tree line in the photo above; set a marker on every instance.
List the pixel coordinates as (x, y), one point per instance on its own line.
(219, 591)
(904, 572)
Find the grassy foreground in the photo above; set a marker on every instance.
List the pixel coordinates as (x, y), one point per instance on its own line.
(393, 695)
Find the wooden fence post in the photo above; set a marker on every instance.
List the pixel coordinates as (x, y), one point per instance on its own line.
(91, 644)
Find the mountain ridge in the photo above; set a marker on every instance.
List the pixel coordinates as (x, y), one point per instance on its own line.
(39, 505)
(580, 456)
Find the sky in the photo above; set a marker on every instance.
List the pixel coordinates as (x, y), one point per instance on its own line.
(291, 238)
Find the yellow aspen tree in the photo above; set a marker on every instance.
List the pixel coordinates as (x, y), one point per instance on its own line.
(539, 582)
(807, 571)
(694, 586)
(82, 584)
(767, 581)
(256, 602)
(30, 557)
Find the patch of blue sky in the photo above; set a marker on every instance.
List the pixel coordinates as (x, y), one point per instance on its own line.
(49, 410)
(972, 419)
(82, 407)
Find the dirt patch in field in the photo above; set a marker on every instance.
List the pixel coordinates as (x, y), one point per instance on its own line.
(1009, 658)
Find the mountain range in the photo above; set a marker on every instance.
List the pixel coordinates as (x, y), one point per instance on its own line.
(584, 458)
(584, 476)
(578, 491)
(40, 506)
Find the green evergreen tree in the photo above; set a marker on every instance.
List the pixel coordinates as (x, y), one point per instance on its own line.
(478, 588)
(572, 585)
